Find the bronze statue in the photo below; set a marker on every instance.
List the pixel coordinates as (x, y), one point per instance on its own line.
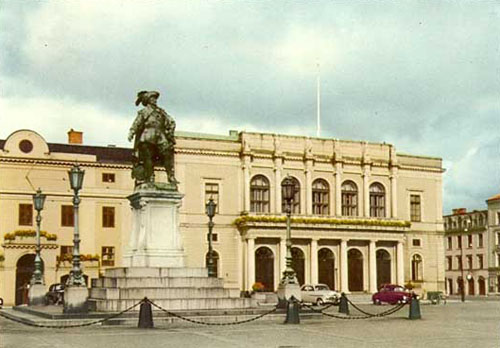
(154, 140)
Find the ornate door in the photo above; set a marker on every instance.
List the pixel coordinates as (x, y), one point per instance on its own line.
(298, 264)
(264, 268)
(383, 268)
(326, 267)
(355, 266)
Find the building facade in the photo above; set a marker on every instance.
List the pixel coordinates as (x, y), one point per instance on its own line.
(466, 243)
(494, 244)
(363, 215)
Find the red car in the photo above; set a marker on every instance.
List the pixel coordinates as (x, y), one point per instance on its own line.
(391, 293)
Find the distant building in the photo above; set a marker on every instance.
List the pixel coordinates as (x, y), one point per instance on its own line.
(363, 214)
(494, 244)
(466, 255)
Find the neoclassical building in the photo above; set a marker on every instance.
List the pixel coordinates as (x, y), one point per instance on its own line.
(363, 214)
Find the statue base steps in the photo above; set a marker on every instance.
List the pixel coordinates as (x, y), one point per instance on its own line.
(171, 288)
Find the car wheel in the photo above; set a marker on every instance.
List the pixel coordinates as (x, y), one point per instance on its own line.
(320, 302)
(377, 302)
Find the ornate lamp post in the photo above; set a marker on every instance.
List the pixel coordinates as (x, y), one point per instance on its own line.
(289, 275)
(37, 287)
(289, 288)
(210, 210)
(76, 292)
(462, 281)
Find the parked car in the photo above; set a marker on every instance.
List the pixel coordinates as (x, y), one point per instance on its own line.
(55, 295)
(319, 294)
(1, 302)
(391, 293)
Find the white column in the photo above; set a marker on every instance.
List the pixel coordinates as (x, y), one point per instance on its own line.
(308, 190)
(250, 263)
(400, 264)
(366, 193)
(344, 284)
(394, 194)
(277, 183)
(338, 189)
(282, 256)
(373, 267)
(314, 261)
(246, 183)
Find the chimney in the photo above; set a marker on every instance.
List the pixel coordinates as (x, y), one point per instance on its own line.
(75, 137)
(459, 211)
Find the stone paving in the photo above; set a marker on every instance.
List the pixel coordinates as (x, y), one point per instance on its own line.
(469, 324)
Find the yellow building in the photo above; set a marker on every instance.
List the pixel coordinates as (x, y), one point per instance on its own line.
(363, 215)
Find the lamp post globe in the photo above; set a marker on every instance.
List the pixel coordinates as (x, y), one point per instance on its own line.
(210, 208)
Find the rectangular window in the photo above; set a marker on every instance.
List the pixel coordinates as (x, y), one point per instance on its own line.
(480, 264)
(108, 177)
(469, 261)
(498, 218)
(108, 216)
(416, 242)
(469, 241)
(459, 242)
(215, 237)
(415, 208)
(66, 253)
(449, 263)
(212, 191)
(459, 262)
(25, 214)
(450, 242)
(480, 240)
(67, 216)
(108, 255)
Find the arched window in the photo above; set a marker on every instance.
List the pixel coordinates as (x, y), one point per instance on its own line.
(215, 257)
(377, 200)
(320, 194)
(259, 194)
(349, 199)
(416, 267)
(296, 197)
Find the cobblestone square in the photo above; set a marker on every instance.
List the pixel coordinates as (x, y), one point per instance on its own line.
(470, 324)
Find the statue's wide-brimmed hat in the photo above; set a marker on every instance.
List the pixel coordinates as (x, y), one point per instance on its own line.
(143, 97)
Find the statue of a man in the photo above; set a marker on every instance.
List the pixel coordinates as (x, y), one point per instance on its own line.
(154, 141)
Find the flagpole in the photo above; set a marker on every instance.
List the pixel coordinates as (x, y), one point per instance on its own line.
(318, 101)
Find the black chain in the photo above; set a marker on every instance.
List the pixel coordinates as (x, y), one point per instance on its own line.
(352, 317)
(389, 311)
(207, 323)
(71, 326)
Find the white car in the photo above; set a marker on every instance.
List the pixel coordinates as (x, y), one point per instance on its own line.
(319, 294)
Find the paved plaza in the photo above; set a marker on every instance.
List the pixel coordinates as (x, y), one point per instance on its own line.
(470, 324)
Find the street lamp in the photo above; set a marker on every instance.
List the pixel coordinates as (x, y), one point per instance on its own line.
(38, 201)
(288, 186)
(462, 281)
(76, 181)
(36, 292)
(76, 292)
(210, 210)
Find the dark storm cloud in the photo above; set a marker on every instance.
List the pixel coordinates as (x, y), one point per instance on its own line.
(420, 75)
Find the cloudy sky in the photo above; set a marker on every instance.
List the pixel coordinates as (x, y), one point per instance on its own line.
(424, 76)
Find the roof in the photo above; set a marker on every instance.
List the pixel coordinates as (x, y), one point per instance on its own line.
(494, 198)
(103, 153)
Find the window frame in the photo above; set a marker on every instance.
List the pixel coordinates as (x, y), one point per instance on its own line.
(260, 195)
(349, 198)
(25, 214)
(67, 218)
(108, 254)
(320, 197)
(377, 200)
(214, 194)
(296, 203)
(415, 208)
(108, 219)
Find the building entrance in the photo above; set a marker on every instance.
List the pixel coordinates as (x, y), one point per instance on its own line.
(24, 270)
(383, 268)
(326, 268)
(355, 269)
(264, 268)
(482, 286)
(298, 264)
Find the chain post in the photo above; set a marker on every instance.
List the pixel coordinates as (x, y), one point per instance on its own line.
(414, 308)
(343, 305)
(145, 315)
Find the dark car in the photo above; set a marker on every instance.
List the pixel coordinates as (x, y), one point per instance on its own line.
(391, 293)
(55, 295)
(1, 302)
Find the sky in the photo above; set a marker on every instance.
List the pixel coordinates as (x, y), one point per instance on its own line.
(421, 75)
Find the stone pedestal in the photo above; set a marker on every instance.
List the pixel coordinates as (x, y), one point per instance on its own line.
(287, 290)
(75, 299)
(155, 239)
(36, 295)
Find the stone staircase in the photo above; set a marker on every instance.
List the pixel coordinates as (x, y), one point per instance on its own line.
(174, 289)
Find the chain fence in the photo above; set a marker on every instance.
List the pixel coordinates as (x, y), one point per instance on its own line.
(99, 321)
(211, 323)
